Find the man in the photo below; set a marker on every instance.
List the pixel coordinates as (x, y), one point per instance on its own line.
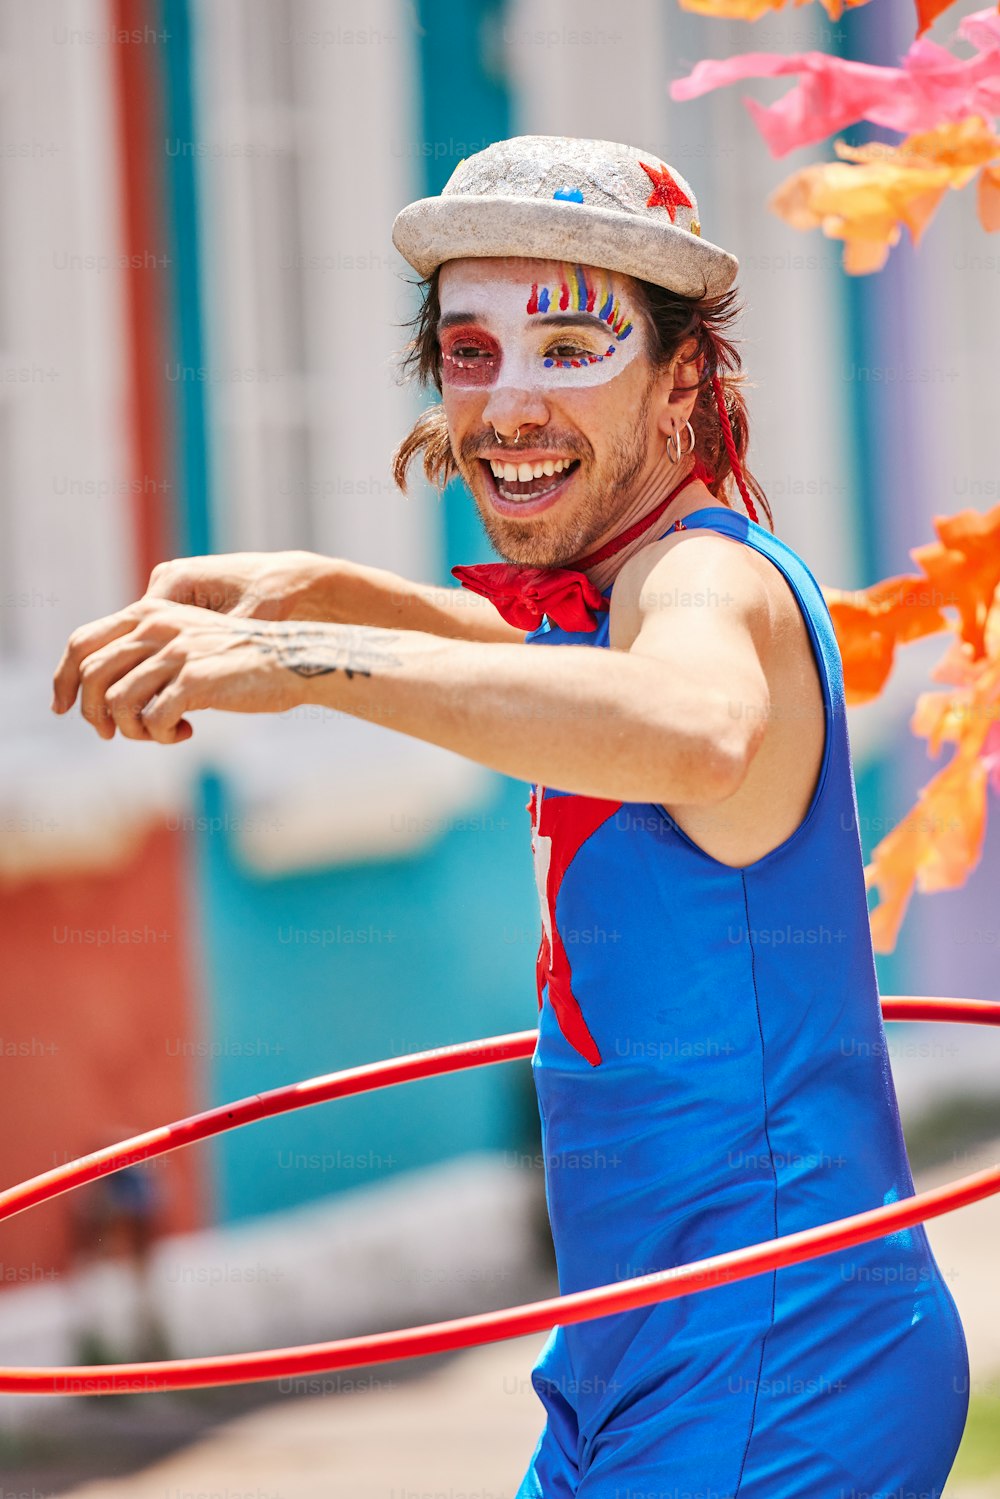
(713, 1073)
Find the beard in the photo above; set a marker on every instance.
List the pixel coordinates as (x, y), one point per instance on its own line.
(599, 495)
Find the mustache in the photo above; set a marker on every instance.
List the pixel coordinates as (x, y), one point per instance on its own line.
(482, 446)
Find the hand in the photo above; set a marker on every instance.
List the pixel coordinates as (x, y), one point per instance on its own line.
(141, 669)
(251, 585)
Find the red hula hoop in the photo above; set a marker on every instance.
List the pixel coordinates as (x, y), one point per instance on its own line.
(462, 1332)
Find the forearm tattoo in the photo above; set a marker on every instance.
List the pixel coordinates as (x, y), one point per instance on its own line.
(310, 651)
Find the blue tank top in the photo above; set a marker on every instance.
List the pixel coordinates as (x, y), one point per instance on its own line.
(712, 1071)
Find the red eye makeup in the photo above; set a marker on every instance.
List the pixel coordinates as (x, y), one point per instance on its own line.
(493, 333)
(469, 357)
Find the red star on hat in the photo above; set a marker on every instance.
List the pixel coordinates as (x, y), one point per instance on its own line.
(666, 194)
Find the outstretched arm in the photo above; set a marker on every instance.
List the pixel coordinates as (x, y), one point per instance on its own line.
(652, 723)
(373, 596)
(306, 585)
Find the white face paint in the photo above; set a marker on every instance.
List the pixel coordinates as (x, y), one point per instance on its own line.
(577, 331)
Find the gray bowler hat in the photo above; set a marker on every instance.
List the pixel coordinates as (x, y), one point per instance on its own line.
(556, 197)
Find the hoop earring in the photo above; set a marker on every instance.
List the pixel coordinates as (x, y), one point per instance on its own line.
(680, 454)
(517, 435)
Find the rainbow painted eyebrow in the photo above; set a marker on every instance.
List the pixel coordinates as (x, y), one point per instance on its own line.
(576, 294)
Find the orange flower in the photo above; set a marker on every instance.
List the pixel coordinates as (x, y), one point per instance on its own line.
(871, 622)
(964, 567)
(928, 12)
(935, 846)
(874, 190)
(939, 842)
(752, 10)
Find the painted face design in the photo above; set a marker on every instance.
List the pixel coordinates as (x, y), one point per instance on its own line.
(571, 334)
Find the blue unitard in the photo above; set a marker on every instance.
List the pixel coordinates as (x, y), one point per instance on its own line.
(712, 1071)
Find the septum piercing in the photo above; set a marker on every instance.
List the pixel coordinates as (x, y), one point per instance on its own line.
(496, 434)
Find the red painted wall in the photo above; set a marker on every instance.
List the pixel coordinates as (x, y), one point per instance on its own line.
(146, 288)
(98, 1040)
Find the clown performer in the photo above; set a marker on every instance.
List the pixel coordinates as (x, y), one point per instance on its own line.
(717, 1075)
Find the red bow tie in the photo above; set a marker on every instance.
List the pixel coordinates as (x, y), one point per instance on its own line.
(522, 595)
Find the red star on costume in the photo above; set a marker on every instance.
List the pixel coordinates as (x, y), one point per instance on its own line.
(560, 825)
(666, 194)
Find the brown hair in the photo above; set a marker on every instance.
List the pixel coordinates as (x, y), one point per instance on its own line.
(670, 320)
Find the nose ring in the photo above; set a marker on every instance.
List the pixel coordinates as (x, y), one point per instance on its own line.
(496, 434)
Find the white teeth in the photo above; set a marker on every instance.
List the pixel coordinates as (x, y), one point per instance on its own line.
(523, 473)
(526, 471)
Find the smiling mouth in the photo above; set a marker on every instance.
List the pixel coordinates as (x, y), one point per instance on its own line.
(529, 481)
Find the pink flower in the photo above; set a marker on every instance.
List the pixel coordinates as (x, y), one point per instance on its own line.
(932, 86)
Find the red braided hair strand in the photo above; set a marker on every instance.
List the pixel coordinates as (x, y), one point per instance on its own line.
(730, 441)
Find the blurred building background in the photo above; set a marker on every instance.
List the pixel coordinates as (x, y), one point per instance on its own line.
(199, 309)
